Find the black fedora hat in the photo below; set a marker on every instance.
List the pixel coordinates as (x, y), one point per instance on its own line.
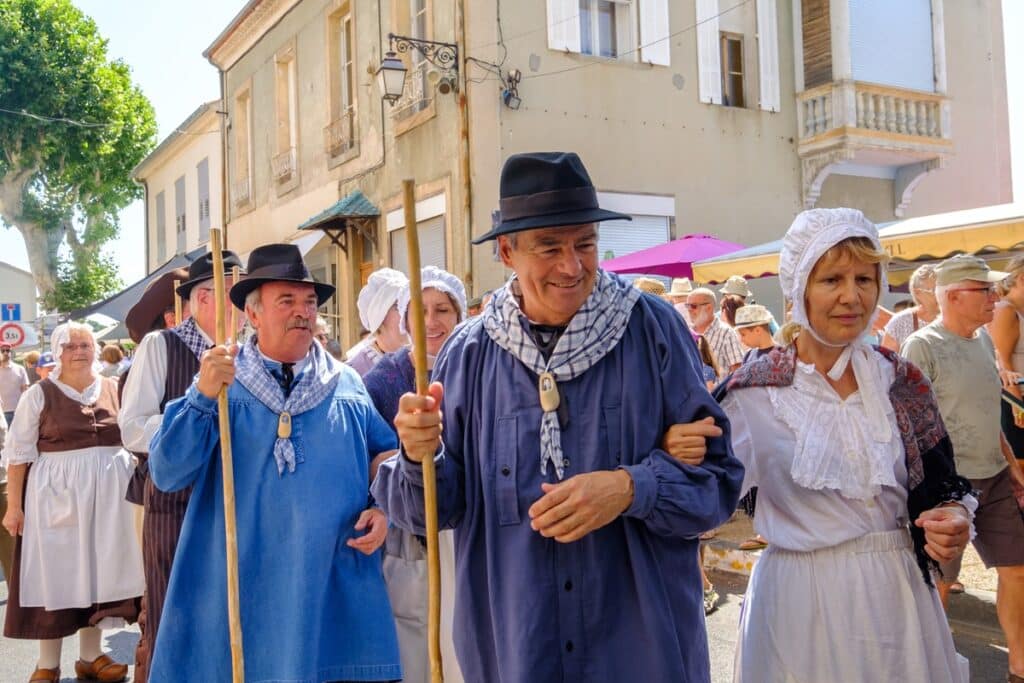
(277, 263)
(201, 270)
(546, 190)
(147, 313)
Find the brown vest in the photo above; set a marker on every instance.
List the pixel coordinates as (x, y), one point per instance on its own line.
(65, 424)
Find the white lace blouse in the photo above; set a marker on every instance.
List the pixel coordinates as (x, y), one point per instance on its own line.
(821, 479)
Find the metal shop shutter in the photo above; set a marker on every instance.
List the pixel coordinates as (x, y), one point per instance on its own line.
(618, 238)
(431, 233)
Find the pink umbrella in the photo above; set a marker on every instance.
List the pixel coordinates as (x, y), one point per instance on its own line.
(672, 259)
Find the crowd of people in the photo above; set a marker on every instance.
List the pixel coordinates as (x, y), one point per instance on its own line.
(587, 431)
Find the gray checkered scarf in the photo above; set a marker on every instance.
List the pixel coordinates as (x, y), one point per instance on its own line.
(314, 384)
(192, 336)
(594, 331)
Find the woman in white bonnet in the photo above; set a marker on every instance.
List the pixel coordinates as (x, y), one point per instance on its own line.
(77, 563)
(378, 312)
(857, 488)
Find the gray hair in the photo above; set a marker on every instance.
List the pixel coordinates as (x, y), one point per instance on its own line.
(704, 291)
(254, 301)
(942, 292)
(193, 295)
(918, 278)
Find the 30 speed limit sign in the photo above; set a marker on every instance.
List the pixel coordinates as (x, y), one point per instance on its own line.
(12, 334)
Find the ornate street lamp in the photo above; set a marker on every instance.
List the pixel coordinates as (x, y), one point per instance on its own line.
(391, 77)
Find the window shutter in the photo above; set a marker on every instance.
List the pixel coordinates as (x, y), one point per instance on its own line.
(709, 59)
(564, 25)
(654, 32)
(161, 228)
(432, 252)
(203, 178)
(768, 54)
(619, 238)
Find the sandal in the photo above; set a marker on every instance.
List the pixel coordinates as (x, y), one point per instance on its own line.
(754, 543)
(957, 588)
(710, 600)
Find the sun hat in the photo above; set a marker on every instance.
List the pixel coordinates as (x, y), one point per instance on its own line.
(681, 286)
(751, 315)
(546, 190)
(966, 267)
(737, 286)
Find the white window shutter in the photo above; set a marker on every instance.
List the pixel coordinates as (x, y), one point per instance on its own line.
(564, 25)
(709, 59)
(654, 32)
(768, 54)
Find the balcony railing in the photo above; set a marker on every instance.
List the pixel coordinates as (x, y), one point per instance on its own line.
(872, 109)
(283, 165)
(416, 96)
(241, 191)
(340, 136)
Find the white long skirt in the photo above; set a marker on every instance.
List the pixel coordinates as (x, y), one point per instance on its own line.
(79, 546)
(859, 611)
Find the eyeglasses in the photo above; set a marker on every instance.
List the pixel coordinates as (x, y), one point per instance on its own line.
(989, 291)
(694, 307)
(82, 346)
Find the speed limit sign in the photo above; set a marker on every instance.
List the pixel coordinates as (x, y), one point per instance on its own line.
(12, 334)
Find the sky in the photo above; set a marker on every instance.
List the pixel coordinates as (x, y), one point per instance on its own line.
(163, 43)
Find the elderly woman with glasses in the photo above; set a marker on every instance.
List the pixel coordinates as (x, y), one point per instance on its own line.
(857, 488)
(77, 564)
(925, 309)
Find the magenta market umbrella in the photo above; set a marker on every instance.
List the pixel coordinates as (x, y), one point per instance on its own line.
(672, 259)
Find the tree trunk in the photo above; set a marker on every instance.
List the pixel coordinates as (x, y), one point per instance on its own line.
(42, 251)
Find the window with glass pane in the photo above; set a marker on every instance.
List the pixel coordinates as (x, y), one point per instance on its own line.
(732, 71)
(599, 27)
(347, 72)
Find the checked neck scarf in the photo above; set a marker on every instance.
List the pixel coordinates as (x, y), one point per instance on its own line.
(193, 337)
(594, 331)
(315, 383)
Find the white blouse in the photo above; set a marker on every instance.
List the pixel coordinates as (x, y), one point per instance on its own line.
(821, 479)
(21, 444)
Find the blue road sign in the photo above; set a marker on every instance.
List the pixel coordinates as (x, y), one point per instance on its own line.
(10, 312)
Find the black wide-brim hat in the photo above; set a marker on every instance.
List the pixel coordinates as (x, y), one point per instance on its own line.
(277, 263)
(201, 270)
(142, 318)
(546, 190)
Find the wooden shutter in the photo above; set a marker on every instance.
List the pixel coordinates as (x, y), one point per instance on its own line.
(768, 54)
(817, 33)
(161, 228)
(179, 213)
(564, 25)
(203, 177)
(654, 32)
(708, 56)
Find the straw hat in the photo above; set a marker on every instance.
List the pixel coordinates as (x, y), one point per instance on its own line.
(681, 286)
(649, 285)
(751, 315)
(736, 285)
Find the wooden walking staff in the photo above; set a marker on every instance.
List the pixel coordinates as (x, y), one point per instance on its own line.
(177, 304)
(417, 328)
(230, 525)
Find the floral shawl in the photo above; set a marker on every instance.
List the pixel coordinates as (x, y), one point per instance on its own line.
(931, 472)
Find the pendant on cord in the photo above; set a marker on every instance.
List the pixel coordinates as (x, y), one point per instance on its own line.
(284, 425)
(548, 389)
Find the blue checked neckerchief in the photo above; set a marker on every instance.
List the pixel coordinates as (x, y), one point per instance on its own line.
(192, 336)
(594, 331)
(315, 383)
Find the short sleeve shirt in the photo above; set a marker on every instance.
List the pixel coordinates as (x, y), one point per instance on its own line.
(13, 379)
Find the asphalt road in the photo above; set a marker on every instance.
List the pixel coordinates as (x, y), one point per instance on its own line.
(988, 660)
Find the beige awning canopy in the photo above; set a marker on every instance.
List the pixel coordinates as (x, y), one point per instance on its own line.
(988, 231)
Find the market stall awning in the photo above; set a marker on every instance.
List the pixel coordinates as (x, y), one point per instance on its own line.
(987, 230)
(116, 306)
(672, 259)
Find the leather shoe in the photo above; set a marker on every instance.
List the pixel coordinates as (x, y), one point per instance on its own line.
(45, 676)
(103, 668)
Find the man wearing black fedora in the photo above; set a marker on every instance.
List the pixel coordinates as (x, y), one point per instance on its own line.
(314, 605)
(575, 532)
(164, 365)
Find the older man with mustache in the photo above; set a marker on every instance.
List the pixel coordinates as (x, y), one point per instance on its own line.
(304, 431)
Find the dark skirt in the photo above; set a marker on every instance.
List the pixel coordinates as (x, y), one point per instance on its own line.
(39, 623)
(1014, 434)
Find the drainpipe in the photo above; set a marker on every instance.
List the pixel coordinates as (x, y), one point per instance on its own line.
(224, 194)
(464, 166)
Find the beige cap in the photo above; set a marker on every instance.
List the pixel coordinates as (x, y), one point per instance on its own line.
(681, 286)
(965, 267)
(649, 285)
(751, 315)
(736, 285)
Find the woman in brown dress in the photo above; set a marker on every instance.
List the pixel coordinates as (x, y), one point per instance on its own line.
(77, 564)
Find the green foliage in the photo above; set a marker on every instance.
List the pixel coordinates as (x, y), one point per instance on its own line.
(55, 65)
(78, 287)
